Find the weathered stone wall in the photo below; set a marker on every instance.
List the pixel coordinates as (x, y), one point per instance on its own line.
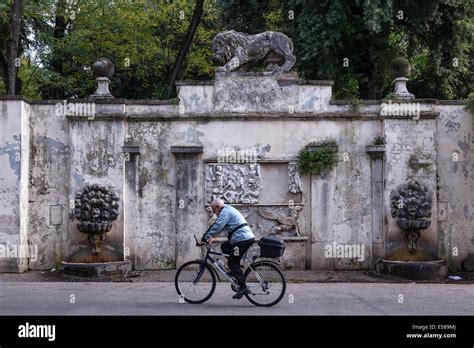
(49, 185)
(410, 154)
(157, 157)
(14, 162)
(455, 168)
(154, 238)
(98, 160)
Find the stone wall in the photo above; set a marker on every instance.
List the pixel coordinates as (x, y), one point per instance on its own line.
(455, 160)
(162, 160)
(14, 164)
(49, 186)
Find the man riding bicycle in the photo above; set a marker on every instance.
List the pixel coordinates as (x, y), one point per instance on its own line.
(239, 239)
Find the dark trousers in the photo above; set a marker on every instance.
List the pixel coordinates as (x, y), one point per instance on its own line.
(236, 251)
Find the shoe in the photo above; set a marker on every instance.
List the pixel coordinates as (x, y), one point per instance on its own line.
(241, 292)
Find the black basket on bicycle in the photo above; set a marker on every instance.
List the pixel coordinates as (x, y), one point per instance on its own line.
(271, 247)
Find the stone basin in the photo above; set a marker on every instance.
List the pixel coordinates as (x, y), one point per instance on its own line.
(414, 270)
(96, 270)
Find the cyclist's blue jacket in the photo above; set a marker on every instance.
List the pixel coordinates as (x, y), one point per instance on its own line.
(228, 219)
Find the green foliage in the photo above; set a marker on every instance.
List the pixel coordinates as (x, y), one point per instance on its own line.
(353, 42)
(247, 16)
(379, 140)
(141, 38)
(470, 103)
(437, 38)
(319, 160)
(350, 42)
(355, 104)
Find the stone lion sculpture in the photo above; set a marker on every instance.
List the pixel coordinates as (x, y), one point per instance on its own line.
(234, 50)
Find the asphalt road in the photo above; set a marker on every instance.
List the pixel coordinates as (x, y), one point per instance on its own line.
(33, 298)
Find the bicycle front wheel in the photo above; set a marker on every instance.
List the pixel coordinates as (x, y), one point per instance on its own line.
(194, 282)
(266, 283)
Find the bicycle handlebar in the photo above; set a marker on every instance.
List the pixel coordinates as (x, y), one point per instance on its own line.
(200, 243)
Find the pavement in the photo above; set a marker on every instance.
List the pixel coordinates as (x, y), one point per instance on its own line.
(292, 276)
(161, 298)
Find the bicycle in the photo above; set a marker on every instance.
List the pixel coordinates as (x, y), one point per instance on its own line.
(195, 281)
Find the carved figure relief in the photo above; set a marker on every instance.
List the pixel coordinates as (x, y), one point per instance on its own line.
(287, 218)
(234, 183)
(294, 179)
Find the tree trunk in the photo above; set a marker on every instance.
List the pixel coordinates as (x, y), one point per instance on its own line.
(12, 52)
(185, 44)
(369, 90)
(59, 33)
(3, 71)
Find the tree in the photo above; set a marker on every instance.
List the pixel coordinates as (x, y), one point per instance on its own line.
(246, 16)
(142, 38)
(350, 42)
(438, 36)
(4, 36)
(59, 32)
(185, 44)
(353, 42)
(10, 25)
(12, 53)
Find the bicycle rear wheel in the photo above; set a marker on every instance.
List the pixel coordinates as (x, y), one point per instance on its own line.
(195, 283)
(266, 283)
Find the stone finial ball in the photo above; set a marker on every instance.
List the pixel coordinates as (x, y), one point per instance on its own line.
(103, 68)
(400, 67)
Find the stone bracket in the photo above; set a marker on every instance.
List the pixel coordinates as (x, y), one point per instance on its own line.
(130, 151)
(186, 149)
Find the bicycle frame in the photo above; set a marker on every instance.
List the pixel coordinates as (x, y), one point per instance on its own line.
(214, 264)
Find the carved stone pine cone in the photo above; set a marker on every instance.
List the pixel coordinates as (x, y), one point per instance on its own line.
(96, 208)
(411, 201)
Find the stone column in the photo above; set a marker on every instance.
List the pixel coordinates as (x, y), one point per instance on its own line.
(130, 202)
(189, 180)
(14, 172)
(376, 153)
(322, 217)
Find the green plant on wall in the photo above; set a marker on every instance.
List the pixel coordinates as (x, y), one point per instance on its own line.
(355, 104)
(470, 103)
(319, 160)
(379, 140)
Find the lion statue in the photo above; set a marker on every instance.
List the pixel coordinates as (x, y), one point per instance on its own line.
(235, 50)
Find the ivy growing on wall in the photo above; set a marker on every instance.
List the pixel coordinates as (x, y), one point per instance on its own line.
(470, 103)
(318, 160)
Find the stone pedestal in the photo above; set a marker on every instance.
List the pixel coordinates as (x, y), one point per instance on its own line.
(401, 91)
(102, 88)
(254, 92)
